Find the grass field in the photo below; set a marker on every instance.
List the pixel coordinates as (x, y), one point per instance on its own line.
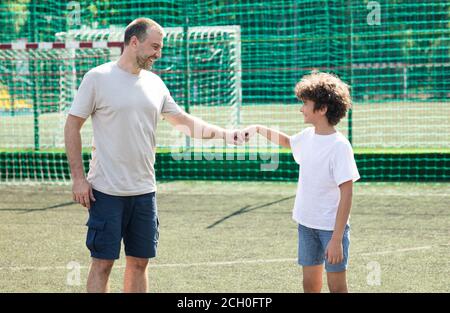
(389, 125)
(231, 237)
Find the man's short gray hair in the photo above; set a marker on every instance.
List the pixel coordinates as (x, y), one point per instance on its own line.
(140, 27)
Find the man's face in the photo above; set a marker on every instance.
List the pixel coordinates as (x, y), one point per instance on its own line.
(149, 50)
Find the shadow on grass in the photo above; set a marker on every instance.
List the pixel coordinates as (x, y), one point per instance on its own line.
(56, 206)
(247, 208)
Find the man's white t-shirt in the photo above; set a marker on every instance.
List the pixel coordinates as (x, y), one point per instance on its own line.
(326, 161)
(125, 110)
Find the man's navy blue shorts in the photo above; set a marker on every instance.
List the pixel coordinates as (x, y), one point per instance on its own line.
(133, 218)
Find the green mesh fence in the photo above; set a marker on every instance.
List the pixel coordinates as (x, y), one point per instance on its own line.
(235, 63)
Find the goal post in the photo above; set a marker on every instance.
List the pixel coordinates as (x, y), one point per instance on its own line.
(39, 81)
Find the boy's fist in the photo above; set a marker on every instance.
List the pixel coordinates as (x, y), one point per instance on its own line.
(249, 132)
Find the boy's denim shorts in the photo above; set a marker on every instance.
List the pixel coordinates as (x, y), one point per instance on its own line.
(133, 218)
(312, 244)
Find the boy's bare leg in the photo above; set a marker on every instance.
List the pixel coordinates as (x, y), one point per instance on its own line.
(337, 282)
(312, 278)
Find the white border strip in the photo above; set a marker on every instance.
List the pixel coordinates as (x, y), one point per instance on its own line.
(72, 45)
(99, 44)
(45, 45)
(18, 45)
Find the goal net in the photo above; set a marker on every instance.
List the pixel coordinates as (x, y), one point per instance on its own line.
(200, 66)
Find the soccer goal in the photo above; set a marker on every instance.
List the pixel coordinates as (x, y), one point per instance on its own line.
(201, 67)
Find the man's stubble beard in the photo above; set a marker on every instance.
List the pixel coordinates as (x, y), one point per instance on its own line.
(142, 63)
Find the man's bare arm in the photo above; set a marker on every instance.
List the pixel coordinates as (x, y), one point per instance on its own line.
(72, 139)
(81, 189)
(197, 128)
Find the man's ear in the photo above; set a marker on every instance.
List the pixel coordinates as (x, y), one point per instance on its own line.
(133, 41)
(323, 110)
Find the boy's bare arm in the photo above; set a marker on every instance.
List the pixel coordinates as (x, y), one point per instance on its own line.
(343, 212)
(273, 135)
(334, 252)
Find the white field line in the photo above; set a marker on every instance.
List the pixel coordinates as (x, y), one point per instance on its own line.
(222, 263)
(47, 268)
(397, 251)
(422, 195)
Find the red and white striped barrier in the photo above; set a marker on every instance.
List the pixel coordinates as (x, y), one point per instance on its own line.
(61, 45)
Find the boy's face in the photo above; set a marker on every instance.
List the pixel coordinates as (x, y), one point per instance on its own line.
(309, 115)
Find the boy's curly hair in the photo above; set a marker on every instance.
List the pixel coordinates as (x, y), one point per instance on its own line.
(325, 90)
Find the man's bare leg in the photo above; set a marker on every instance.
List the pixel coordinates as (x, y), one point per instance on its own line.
(98, 278)
(136, 275)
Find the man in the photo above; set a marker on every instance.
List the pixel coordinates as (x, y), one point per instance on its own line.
(125, 102)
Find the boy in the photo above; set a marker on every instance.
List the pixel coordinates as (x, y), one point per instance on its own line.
(327, 172)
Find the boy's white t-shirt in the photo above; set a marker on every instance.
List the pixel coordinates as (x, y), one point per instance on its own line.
(125, 110)
(326, 161)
